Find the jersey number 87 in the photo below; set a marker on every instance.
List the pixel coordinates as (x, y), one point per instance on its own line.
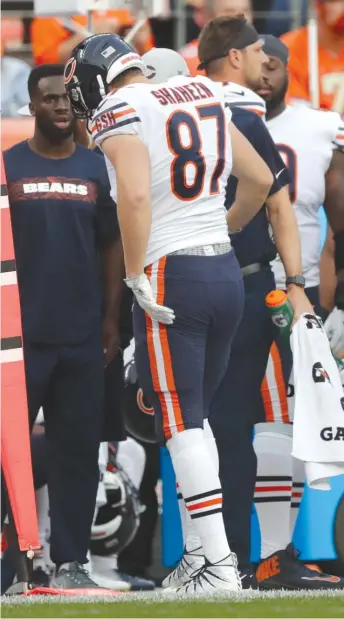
(192, 153)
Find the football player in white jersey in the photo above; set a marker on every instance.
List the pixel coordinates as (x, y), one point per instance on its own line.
(312, 144)
(170, 149)
(235, 408)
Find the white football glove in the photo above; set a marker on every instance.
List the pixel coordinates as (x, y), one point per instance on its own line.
(142, 290)
(334, 327)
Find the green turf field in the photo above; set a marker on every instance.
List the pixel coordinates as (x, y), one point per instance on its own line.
(269, 605)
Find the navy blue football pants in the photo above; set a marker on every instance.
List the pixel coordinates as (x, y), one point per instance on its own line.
(237, 406)
(181, 365)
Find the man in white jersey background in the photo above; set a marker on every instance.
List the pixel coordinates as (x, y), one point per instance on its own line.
(169, 150)
(312, 144)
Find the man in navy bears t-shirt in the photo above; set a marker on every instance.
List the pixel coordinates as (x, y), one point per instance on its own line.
(64, 224)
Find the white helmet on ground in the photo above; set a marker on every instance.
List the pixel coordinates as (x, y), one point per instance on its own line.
(161, 64)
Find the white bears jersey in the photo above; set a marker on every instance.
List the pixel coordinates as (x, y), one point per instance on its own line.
(306, 139)
(240, 96)
(184, 125)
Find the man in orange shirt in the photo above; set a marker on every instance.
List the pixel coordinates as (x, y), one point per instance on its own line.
(52, 41)
(330, 15)
(204, 11)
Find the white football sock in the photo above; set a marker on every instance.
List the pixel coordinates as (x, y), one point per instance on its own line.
(102, 463)
(211, 444)
(201, 489)
(272, 496)
(42, 506)
(183, 513)
(88, 565)
(104, 564)
(297, 492)
(193, 542)
(191, 538)
(131, 456)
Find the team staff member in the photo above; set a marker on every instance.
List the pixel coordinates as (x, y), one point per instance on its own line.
(238, 402)
(63, 219)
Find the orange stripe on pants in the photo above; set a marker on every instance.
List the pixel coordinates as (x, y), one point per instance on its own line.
(160, 357)
(269, 411)
(273, 389)
(282, 393)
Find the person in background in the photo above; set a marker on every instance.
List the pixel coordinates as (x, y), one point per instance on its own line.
(330, 16)
(14, 76)
(312, 145)
(327, 272)
(231, 52)
(64, 224)
(282, 23)
(53, 41)
(204, 11)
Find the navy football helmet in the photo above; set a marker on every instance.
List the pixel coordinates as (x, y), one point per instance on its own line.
(116, 522)
(138, 415)
(93, 65)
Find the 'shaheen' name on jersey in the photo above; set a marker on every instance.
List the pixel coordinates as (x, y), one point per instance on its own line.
(63, 188)
(182, 94)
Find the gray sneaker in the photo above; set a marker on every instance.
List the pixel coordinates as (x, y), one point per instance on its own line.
(72, 576)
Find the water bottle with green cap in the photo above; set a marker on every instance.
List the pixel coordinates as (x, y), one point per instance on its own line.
(282, 313)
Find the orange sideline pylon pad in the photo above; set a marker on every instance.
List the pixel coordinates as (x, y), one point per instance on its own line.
(15, 436)
(72, 592)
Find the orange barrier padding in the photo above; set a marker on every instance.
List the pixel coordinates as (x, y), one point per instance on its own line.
(15, 435)
(14, 130)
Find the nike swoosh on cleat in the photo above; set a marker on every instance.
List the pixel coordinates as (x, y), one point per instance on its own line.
(334, 579)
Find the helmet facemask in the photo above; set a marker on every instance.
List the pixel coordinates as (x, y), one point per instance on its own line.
(85, 96)
(94, 64)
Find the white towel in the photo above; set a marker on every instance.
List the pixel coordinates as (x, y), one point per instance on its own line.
(318, 437)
